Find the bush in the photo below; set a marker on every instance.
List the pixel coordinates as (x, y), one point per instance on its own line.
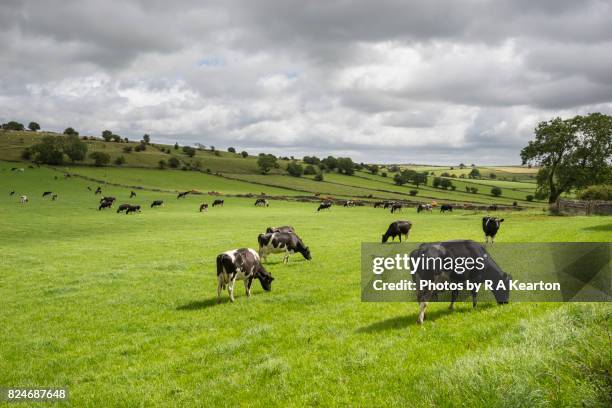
(100, 158)
(496, 191)
(120, 161)
(26, 154)
(217, 153)
(12, 125)
(319, 177)
(599, 192)
(50, 150)
(244, 154)
(294, 169)
(189, 151)
(33, 126)
(107, 135)
(231, 150)
(413, 192)
(75, 148)
(309, 170)
(162, 164)
(529, 197)
(174, 162)
(384, 174)
(70, 131)
(127, 149)
(140, 148)
(266, 162)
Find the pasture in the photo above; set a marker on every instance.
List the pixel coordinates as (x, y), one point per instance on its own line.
(122, 309)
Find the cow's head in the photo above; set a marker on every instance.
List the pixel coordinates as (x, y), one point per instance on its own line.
(502, 295)
(264, 278)
(306, 253)
(385, 237)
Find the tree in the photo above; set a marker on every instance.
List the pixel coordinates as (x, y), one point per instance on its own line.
(70, 131)
(413, 192)
(308, 170)
(599, 192)
(295, 169)
(140, 147)
(314, 160)
(446, 184)
(50, 150)
(529, 197)
(231, 150)
(12, 125)
(161, 164)
(173, 162)
(120, 161)
(176, 146)
(573, 154)
(33, 126)
(128, 149)
(399, 179)
(330, 163)
(244, 154)
(266, 162)
(437, 181)
(189, 151)
(319, 177)
(345, 166)
(374, 169)
(75, 148)
(496, 191)
(26, 154)
(419, 178)
(116, 138)
(146, 138)
(474, 174)
(107, 135)
(492, 176)
(100, 158)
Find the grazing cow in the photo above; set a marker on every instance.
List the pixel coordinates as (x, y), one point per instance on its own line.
(282, 242)
(46, 193)
(262, 202)
(132, 194)
(12, 193)
(182, 195)
(54, 197)
(490, 226)
(325, 205)
(240, 264)
(23, 199)
(397, 228)
(204, 207)
(284, 228)
(98, 190)
(446, 207)
(105, 204)
(157, 203)
(132, 208)
(123, 207)
(492, 207)
(217, 202)
(388, 204)
(435, 272)
(349, 203)
(378, 204)
(424, 207)
(396, 207)
(111, 199)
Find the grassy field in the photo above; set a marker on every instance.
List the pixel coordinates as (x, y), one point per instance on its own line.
(121, 309)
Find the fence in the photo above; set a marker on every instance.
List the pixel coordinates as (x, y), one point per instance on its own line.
(578, 207)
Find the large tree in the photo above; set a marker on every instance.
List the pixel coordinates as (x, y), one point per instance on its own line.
(50, 150)
(75, 148)
(573, 154)
(266, 162)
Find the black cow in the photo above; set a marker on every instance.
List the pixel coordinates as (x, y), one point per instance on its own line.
(424, 207)
(98, 190)
(282, 242)
(397, 228)
(262, 202)
(446, 207)
(388, 204)
(182, 195)
(111, 199)
(46, 193)
(325, 205)
(240, 264)
(12, 193)
(379, 204)
(396, 207)
(434, 271)
(204, 207)
(132, 194)
(218, 202)
(133, 208)
(54, 197)
(490, 226)
(105, 204)
(123, 207)
(284, 228)
(157, 203)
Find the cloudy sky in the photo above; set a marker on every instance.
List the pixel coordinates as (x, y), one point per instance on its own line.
(380, 81)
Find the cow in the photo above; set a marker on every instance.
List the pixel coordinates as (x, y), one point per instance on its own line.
(98, 190)
(46, 193)
(132, 194)
(396, 207)
(424, 207)
(132, 208)
(157, 203)
(349, 203)
(204, 207)
(54, 197)
(325, 205)
(240, 264)
(492, 207)
(123, 207)
(105, 204)
(378, 204)
(388, 204)
(218, 202)
(282, 242)
(397, 228)
(284, 228)
(446, 207)
(12, 193)
(23, 199)
(435, 272)
(111, 199)
(262, 202)
(490, 226)
(182, 195)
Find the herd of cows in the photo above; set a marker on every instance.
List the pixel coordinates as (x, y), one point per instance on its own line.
(246, 264)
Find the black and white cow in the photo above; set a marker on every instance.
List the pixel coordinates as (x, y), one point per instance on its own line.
(132, 194)
(424, 207)
(123, 207)
(446, 207)
(133, 208)
(378, 204)
(262, 202)
(240, 264)
(98, 190)
(111, 199)
(388, 204)
(218, 202)
(325, 205)
(434, 271)
(46, 193)
(282, 242)
(284, 228)
(12, 193)
(54, 197)
(157, 203)
(182, 195)
(23, 199)
(396, 207)
(490, 226)
(397, 228)
(204, 207)
(105, 204)
(349, 203)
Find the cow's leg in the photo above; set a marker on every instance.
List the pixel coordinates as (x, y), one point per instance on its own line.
(219, 287)
(230, 288)
(286, 258)
(247, 286)
(474, 294)
(454, 295)
(422, 307)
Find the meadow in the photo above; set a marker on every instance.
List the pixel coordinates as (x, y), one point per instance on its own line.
(122, 309)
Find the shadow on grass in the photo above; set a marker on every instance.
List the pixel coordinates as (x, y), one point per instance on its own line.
(198, 304)
(401, 322)
(605, 227)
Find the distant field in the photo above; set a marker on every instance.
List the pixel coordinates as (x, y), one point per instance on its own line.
(121, 309)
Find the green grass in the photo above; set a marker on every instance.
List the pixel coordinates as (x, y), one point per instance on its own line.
(121, 309)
